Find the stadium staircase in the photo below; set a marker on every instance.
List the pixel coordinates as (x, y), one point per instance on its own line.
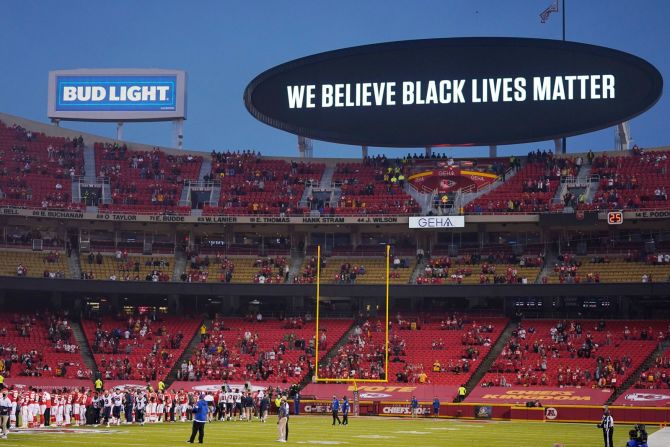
(633, 377)
(336, 196)
(75, 266)
(578, 185)
(418, 269)
(187, 354)
(330, 354)
(561, 190)
(493, 354)
(327, 177)
(593, 186)
(89, 164)
(305, 194)
(89, 174)
(468, 197)
(205, 168)
(215, 196)
(297, 258)
(84, 347)
(106, 193)
(422, 198)
(548, 269)
(185, 196)
(76, 192)
(179, 264)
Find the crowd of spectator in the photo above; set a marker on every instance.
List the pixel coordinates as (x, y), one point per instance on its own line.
(272, 270)
(136, 333)
(657, 376)
(363, 355)
(527, 355)
(249, 180)
(626, 184)
(225, 354)
(308, 273)
(16, 360)
(496, 268)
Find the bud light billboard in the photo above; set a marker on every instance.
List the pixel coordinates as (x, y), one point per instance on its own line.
(456, 91)
(117, 95)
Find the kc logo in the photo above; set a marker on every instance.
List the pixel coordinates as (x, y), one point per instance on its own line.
(646, 397)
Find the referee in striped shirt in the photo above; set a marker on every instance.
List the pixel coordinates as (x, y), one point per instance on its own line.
(607, 424)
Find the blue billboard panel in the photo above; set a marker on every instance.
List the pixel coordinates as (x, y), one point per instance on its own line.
(116, 93)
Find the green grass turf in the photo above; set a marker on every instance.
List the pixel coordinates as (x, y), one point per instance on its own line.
(317, 430)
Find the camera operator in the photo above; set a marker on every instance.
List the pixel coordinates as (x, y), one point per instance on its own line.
(607, 425)
(638, 436)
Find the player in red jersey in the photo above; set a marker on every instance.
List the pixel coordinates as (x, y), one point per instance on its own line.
(152, 406)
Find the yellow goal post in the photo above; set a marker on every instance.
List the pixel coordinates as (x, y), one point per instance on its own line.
(316, 377)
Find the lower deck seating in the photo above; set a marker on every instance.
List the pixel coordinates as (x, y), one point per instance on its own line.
(578, 353)
(261, 350)
(657, 376)
(39, 345)
(434, 351)
(138, 348)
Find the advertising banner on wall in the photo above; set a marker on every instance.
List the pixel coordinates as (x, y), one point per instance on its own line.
(50, 383)
(437, 222)
(382, 391)
(212, 386)
(546, 396)
(644, 398)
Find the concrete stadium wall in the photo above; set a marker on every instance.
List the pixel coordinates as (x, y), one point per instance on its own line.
(144, 288)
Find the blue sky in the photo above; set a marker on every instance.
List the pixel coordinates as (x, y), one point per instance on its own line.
(224, 44)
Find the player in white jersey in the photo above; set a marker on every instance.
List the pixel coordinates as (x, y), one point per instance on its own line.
(221, 405)
(117, 400)
(106, 407)
(140, 407)
(230, 405)
(237, 404)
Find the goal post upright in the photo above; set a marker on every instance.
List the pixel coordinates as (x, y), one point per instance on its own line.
(353, 380)
(386, 329)
(318, 293)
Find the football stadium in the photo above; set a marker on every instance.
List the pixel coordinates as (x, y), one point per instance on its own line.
(370, 223)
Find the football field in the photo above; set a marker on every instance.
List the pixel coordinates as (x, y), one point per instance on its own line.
(317, 430)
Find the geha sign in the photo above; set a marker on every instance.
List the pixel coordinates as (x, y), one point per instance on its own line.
(464, 91)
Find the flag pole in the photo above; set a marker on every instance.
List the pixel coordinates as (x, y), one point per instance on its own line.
(564, 145)
(563, 14)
